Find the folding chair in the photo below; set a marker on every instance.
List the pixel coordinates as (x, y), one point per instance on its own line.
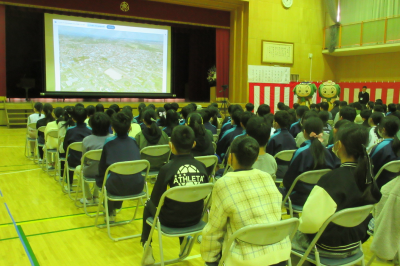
(309, 177)
(93, 155)
(262, 235)
(76, 146)
(182, 194)
(215, 138)
(350, 217)
(39, 145)
(215, 147)
(59, 159)
(208, 161)
(393, 167)
(152, 153)
(284, 156)
(29, 140)
(51, 134)
(122, 168)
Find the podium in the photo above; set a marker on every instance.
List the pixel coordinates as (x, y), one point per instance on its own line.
(213, 94)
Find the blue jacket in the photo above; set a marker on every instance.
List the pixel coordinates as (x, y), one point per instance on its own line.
(75, 134)
(226, 140)
(280, 141)
(295, 129)
(120, 149)
(301, 162)
(210, 127)
(225, 126)
(381, 154)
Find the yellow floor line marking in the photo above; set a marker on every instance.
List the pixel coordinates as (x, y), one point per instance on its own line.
(20, 171)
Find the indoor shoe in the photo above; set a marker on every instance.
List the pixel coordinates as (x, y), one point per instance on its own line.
(187, 240)
(148, 257)
(112, 219)
(90, 201)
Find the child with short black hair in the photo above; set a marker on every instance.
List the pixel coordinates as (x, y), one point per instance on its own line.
(244, 118)
(172, 120)
(119, 148)
(100, 108)
(185, 112)
(182, 170)
(175, 106)
(295, 128)
(76, 134)
(206, 116)
(249, 107)
(90, 109)
(365, 114)
(324, 116)
(228, 136)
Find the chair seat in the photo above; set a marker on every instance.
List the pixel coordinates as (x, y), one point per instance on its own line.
(89, 179)
(179, 231)
(334, 262)
(31, 139)
(279, 180)
(52, 150)
(62, 158)
(294, 207)
(153, 173)
(122, 198)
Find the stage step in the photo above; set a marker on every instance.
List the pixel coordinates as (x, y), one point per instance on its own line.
(17, 114)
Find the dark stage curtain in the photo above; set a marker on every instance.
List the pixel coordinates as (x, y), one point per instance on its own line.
(222, 57)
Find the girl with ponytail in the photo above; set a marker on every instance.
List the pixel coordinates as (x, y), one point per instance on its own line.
(312, 155)
(152, 135)
(141, 108)
(351, 185)
(388, 150)
(203, 137)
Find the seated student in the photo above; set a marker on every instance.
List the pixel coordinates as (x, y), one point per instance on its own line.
(90, 109)
(76, 134)
(237, 203)
(48, 117)
(281, 106)
(365, 114)
(325, 107)
(300, 139)
(216, 106)
(99, 122)
(119, 148)
(176, 214)
(185, 112)
(370, 105)
(312, 155)
(263, 110)
(379, 108)
(228, 136)
(152, 135)
(115, 107)
(373, 121)
(64, 124)
(161, 114)
(348, 186)
(249, 107)
(139, 118)
(175, 106)
(269, 119)
(258, 129)
(167, 107)
(51, 143)
(172, 120)
(110, 112)
(392, 108)
(292, 115)
(227, 123)
(388, 150)
(282, 140)
(313, 107)
(295, 128)
(347, 113)
(335, 108)
(214, 114)
(342, 104)
(324, 115)
(135, 127)
(99, 108)
(206, 116)
(340, 124)
(244, 118)
(33, 118)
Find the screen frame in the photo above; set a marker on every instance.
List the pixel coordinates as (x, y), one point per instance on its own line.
(50, 68)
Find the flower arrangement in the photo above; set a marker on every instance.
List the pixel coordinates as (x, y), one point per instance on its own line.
(212, 75)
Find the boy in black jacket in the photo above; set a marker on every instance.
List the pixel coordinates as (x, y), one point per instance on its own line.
(182, 170)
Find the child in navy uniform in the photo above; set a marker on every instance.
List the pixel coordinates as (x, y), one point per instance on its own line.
(312, 155)
(182, 170)
(119, 148)
(388, 150)
(340, 124)
(228, 136)
(76, 134)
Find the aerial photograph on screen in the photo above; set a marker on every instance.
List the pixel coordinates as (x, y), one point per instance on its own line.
(100, 60)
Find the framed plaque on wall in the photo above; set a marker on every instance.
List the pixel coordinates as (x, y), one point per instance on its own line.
(277, 52)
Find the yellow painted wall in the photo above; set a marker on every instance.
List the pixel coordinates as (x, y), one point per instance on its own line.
(374, 67)
(301, 24)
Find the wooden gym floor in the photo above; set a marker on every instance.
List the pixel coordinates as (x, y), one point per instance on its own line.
(50, 230)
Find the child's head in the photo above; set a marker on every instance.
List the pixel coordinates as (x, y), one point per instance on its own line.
(336, 103)
(292, 115)
(357, 105)
(245, 118)
(281, 119)
(128, 112)
(110, 112)
(38, 107)
(100, 123)
(378, 108)
(340, 124)
(342, 104)
(269, 118)
(58, 112)
(182, 140)
(141, 108)
(295, 106)
(175, 106)
(115, 107)
(392, 108)
(48, 110)
(324, 116)
(99, 108)
(313, 127)
(79, 105)
(121, 123)
(301, 110)
(249, 107)
(389, 126)
(324, 106)
(263, 109)
(370, 105)
(172, 118)
(365, 114)
(79, 114)
(152, 106)
(186, 111)
(90, 110)
(244, 152)
(375, 119)
(167, 107)
(236, 117)
(149, 119)
(195, 121)
(205, 115)
(348, 113)
(258, 129)
(378, 101)
(281, 106)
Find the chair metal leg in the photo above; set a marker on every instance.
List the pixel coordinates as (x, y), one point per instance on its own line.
(290, 208)
(98, 209)
(160, 242)
(317, 257)
(80, 184)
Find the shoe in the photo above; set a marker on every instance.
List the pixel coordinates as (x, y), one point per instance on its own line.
(66, 189)
(51, 168)
(185, 246)
(93, 201)
(148, 257)
(111, 218)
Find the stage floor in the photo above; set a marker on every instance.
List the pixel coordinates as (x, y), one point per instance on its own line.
(58, 232)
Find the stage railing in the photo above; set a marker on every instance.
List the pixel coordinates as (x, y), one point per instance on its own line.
(366, 33)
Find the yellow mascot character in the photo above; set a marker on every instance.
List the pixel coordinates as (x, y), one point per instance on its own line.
(329, 91)
(304, 92)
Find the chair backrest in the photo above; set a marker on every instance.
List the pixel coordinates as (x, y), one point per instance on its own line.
(285, 155)
(215, 137)
(188, 193)
(31, 126)
(128, 167)
(93, 155)
(76, 146)
(42, 129)
(393, 166)
(208, 161)
(262, 234)
(52, 133)
(157, 150)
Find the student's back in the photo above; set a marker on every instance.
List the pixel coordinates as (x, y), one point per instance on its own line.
(229, 135)
(47, 110)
